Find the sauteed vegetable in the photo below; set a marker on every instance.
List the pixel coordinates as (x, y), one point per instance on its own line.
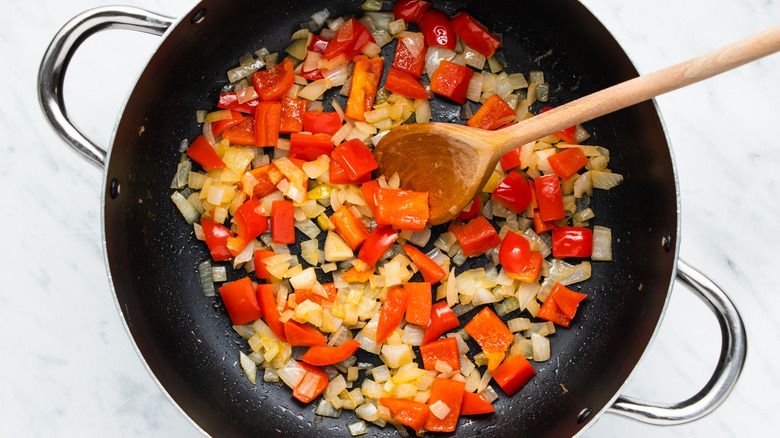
(331, 258)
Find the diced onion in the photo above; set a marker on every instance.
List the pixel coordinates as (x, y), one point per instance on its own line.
(206, 279)
(337, 76)
(439, 409)
(413, 335)
(605, 180)
(185, 208)
(541, 347)
(291, 373)
(475, 88)
(249, 367)
(326, 409)
(314, 90)
(422, 110)
(434, 56)
(602, 243)
(357, 428)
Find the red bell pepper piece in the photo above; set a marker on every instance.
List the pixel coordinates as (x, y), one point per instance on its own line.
(365, 84)
(443, 319)
(532, 270)
(551, 312)
(515, 252)
(230, 101)
(431, 271)
(401, 82)
(435, 25)
(450, 392)
(202, 153)
(380, 239)
(292, 115)
(451, 81)
(321, 356)
(338, 175)
(550, 198)
(513, 373)
(410, 10)
(356, 158)
(312, 384)
(403, 209)
(418, 303)
(475, 404)
(513, 192)
(391, 314)
(474, 34)
(493, 114)
(250, 223)
(369, 189)
(261, 270)
(568, 162)
(349, 41)
(312, 75)
(355, 276)
(321, 122)
(275, 82)
(326, 301)
(541, 226)
(445, 350)
(489, 331)
(476, 236)
(566, 299)
(408, 61)
(283, 222)
(242, 133)
(407, 412)
(303, 335)
(472, 211)
(310, 146)
(263, 185)
(572, 242)
(267, 299)
(318, 44)
(241, 301)
(220, 126)
(216, 236)
(511, 159)
(568, 135)
(268, 121)
(349, 227)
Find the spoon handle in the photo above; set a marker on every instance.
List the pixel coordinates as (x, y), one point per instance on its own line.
(641, 88)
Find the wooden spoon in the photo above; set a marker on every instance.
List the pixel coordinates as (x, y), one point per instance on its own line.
(453, 162)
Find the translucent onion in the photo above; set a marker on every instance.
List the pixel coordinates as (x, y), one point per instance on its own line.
(439, 409)
(206, 279)
(474, 91)
(434, 56)
(602, 243)
(325, 409)
(337, 76)
(249, 367)
(291, 373)
(357, 428)
(422, 110)
(314, 90)
(413, 335)
(605, 180)
(541, 347)
(186, 209)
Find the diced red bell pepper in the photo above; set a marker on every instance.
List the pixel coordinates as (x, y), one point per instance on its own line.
(303, 335)
(323, 355)
(355, 276)
(283, 222)
(311, 75)
(250, 223)
(472, 211)
(474, 34)
(216, 236)
(541, 226)
(431, 271)
(230, 101)
(406, 60)
(267, 299)
(515, 252)
(445, 350)
(263, 184)
(322, 122)
(275, 82)
(511, 159)
(410, 10)
(551, 312)
(318, 44)
(566, 299)
(418, 303)
(326, 301)
(489, 331)
(435, 25)
(493, 114)
(513, 374)
(365, 83)
(338, 175)
(568, 162)
(572, 242)
(220, 126)
(242, 133)
(443, 319)
(475, 404)
(550, 198)
(391, 314)
(403, 209)
(311, 385)
(407, 412)
(513, 192)
(349, 41)
(241, 301)
(356, 158)
(268, 120)
(202, 153)
(476, 236)
(401, 82)
(568, 135)
(532, 270)
(261, 271)
(380, 239)
(310, 146)
(449, 392)
(451, 81)
(369, 189)
(292, 115)
(349, 227)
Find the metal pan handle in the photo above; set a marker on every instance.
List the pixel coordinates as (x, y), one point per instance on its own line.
(732, 358)
(55, 63)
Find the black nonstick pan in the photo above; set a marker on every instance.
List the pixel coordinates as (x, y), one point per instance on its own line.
(185, 337)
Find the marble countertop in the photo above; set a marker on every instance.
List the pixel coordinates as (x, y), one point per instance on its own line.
(69, 368)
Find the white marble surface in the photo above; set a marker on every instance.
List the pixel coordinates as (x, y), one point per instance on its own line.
(69, 369)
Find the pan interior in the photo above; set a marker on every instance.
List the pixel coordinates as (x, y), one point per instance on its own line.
(186, 338)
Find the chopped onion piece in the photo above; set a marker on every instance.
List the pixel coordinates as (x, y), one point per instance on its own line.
(337, 76)
(541, 347)
(490, 394)
(270, 375)
(314, 90)
(439, 409)
(602, 243)
(219, 273)
(357, 428)
(325, 409)
(422, 110)
(605, 180)
(206, 279)
(186, 209)
(413, 335)
(307, 279)
(291, 373)
(249, 367)
(320, 17)
(434, 56)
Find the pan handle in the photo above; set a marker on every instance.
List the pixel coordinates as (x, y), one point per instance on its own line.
(732, 358)
(55, 63)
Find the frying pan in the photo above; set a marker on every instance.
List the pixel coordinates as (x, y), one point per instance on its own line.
(186, 339)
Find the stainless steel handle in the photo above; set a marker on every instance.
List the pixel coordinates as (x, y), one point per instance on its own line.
(55, 63)
(732, 358)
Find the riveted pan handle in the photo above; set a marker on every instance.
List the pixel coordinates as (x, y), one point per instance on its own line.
(732, 358)
(55, 63)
